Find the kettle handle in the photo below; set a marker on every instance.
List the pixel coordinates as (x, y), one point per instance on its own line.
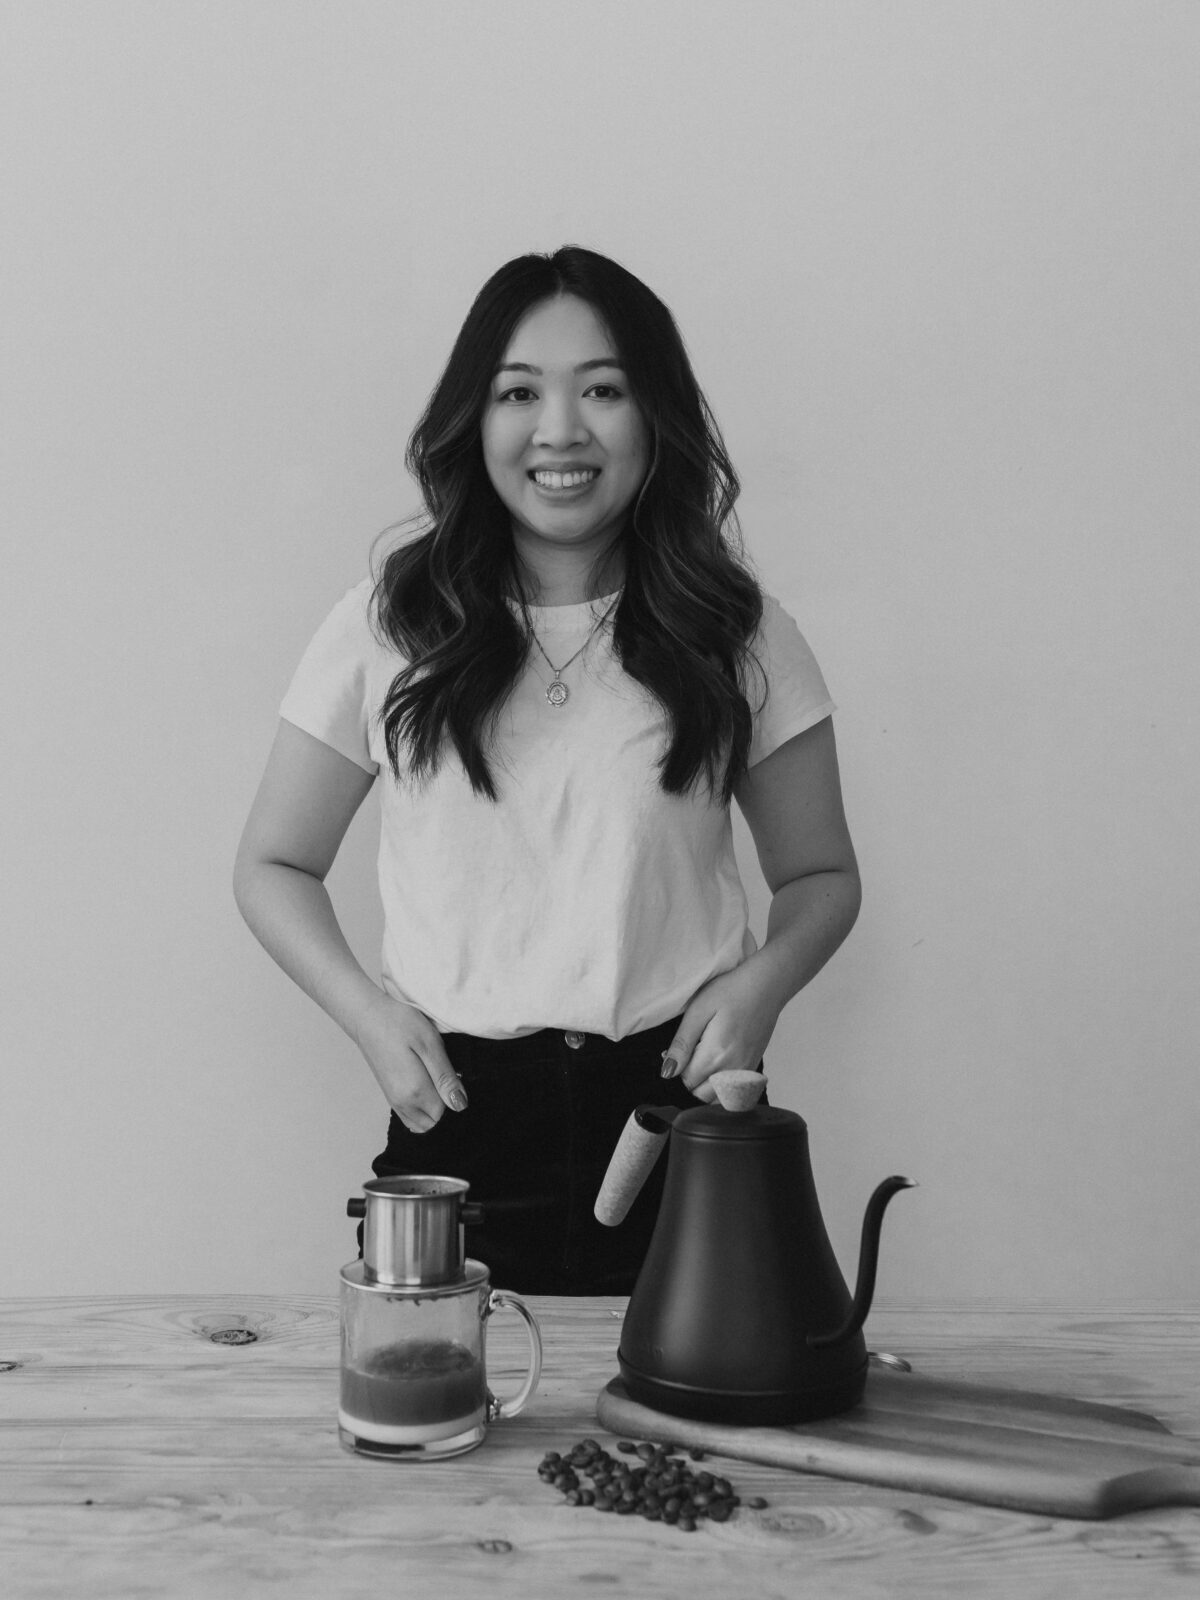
(638, 1148)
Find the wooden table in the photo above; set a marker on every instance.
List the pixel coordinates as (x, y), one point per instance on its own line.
(138, 1457)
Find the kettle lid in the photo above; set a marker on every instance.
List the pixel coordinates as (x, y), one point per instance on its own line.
(762, 1122)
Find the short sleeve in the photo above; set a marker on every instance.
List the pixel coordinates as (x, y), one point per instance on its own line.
(332, 691)
(796, 695)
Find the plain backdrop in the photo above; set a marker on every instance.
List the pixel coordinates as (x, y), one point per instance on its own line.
(935, 262)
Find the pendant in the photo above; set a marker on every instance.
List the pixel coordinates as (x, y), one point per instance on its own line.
(557, 693)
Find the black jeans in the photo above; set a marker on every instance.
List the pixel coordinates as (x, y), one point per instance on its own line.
(544, 1114)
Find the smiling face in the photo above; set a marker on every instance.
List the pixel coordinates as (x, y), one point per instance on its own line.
(564, 443)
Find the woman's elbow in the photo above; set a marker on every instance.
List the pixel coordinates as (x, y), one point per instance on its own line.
(853, 894)
(248, 871)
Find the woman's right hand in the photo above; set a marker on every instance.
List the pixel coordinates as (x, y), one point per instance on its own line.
(405, 1052)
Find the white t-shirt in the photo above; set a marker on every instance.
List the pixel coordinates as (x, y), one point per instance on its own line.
(585, 898)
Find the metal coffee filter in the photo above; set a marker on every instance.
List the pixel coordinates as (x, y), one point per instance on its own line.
(413, 1228)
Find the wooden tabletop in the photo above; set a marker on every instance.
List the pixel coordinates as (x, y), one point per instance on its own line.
(141, 1456)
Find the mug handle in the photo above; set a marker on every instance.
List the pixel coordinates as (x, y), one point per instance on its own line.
(498, 1300)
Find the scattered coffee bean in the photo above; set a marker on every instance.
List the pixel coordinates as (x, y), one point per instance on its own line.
(659, 1486)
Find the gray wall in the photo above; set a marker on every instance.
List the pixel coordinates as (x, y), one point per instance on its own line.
(936, 264)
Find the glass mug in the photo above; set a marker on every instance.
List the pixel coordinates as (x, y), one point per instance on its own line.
(414, 1366)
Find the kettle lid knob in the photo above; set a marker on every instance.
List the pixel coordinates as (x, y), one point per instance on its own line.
(738, 1091)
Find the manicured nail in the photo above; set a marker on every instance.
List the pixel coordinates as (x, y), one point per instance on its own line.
(458, 1098)
(669, 1067)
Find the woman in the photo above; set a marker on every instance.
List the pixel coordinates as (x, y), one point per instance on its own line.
(560, 684)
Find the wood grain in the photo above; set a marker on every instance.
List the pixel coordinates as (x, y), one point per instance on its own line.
(139, 1458)
(1016, 1449)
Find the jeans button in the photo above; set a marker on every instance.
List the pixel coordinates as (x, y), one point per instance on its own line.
(575, 1040)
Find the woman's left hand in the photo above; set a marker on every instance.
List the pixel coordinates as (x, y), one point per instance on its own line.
(727, 1026)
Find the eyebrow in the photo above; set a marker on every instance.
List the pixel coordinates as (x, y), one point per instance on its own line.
(584, 366)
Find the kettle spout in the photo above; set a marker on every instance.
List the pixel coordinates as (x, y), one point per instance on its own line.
(868, 1259)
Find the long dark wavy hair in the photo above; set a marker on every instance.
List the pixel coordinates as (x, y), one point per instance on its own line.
(689, 607)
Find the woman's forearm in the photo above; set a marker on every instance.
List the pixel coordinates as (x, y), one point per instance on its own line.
(809, 918)
(729, 1021)
(291, 915)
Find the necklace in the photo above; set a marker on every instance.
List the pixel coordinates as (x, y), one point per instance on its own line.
(556, 690)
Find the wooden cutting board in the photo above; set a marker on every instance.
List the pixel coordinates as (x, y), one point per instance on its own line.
(999, 1447)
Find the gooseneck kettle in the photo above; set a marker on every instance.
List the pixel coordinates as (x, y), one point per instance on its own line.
(740, 1312)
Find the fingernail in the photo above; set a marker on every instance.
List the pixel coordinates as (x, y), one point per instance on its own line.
(669, 1067)
(458, 1098)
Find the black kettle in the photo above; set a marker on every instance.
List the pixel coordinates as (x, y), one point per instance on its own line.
(740, 1313)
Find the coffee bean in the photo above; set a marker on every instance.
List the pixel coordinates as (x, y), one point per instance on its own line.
(659, 1486)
